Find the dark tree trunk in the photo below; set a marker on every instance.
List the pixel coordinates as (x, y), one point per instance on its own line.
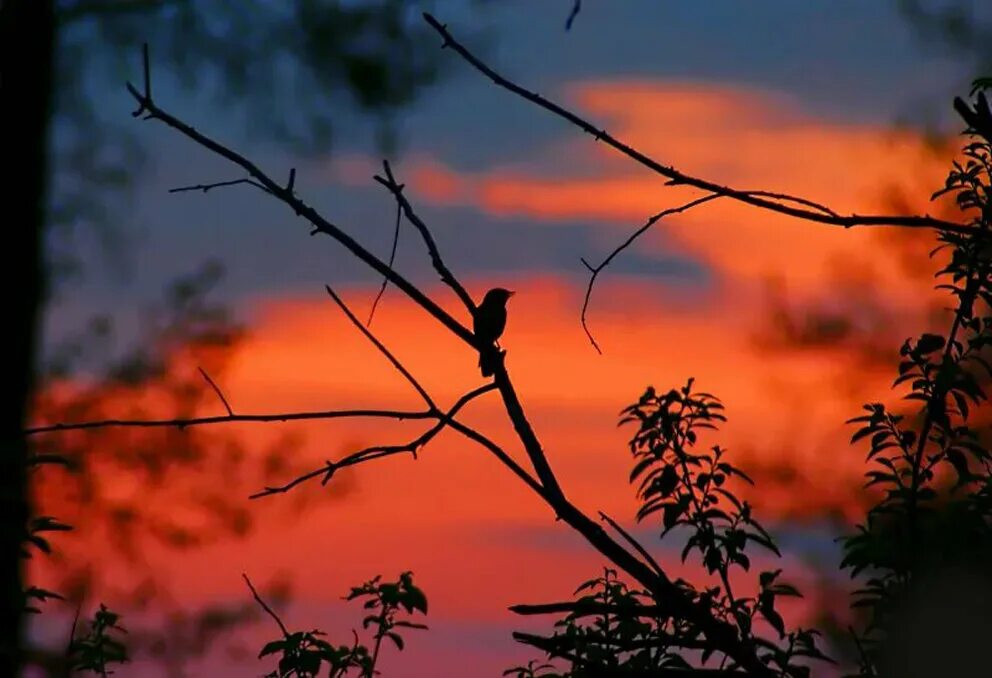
(27, 43)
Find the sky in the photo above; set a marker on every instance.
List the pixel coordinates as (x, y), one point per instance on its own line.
(793, 325)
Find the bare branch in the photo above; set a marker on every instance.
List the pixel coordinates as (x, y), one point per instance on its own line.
(595, 270)
(379, 451)
(676, 177)
(230, 419)
(446, 275)
(151, 111)
(382, 349)
(576, 8)
(633, 542)
(392, 260)
(217, 390)
(219, 184)
(272, 613)
(500, 454)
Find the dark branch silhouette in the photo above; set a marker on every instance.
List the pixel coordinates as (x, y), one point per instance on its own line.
(265, 606)
(594, 271)
(392, 261)
(181, 423)
(216, 389)
(765, 200)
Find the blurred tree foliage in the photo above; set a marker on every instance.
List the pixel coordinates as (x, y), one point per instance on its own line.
(254, 56)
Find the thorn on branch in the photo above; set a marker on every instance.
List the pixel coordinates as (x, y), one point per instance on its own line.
(329, 473)
(292, 180)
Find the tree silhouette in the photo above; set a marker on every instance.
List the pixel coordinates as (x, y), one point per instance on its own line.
(636, 619)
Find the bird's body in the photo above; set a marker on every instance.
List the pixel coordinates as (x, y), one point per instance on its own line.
(489, 322)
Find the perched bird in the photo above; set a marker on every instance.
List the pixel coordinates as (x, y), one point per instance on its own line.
(489, 322)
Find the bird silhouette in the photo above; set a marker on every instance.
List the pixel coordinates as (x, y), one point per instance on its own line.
(489, 323)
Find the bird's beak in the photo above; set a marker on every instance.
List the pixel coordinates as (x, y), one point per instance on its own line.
(512, 293)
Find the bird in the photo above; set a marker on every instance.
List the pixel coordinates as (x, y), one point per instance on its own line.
(488, 323)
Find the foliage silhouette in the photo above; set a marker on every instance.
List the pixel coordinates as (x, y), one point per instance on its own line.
(100, 646)
(625, 631)
(933, 465)
(302, 653)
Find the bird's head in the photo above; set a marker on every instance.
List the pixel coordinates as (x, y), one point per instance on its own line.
(497, 296)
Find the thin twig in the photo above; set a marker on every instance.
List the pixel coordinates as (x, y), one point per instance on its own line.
(229, 419)
(595, 270)
(382, 349)
(499, 453)
(272, 613)
(633, 542)
(379, 451)
(392, 260)
(677, 177)
(447, 277)
(219, 184)
(217, 390)
(576, 8)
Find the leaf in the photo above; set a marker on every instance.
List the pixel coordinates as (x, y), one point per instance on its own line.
(396, 638)
(928, 343)
(271, 647)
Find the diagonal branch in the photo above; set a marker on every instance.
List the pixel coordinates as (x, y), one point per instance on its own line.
(265, 606)
(447, 277)
(382, 349)
(778, 203)
(216, 388)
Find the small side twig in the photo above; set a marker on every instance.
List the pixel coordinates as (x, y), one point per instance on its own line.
(596, 270)
(219, 184)
(382, 349)
(633, 542)
(265, 606)
(217, 390)
(576, 8)
(392, 260)
(447, 277)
